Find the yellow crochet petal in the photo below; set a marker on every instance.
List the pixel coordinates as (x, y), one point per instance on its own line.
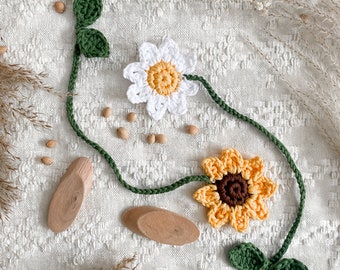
(252, 167)
(239, 218)
(265, 186)
(257, 209)
(232, 161)
(262, 212)
(208, 196)
(219, 215)
(214, 168)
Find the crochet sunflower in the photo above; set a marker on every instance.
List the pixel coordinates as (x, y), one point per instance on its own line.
(237, 191)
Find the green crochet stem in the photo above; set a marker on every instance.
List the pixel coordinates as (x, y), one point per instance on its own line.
(92, 43)
(219, 101)
(188, 179)
(105, 155)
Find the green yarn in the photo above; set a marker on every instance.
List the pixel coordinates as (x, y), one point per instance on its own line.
(246, 256)
(289, 264)
(219, 101)
(87, 11)
(92, 43)
(105, 155)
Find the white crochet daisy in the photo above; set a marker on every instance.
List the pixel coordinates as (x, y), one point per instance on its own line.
(157, 79)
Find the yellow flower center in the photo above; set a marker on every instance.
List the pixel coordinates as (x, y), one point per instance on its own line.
(163, 78)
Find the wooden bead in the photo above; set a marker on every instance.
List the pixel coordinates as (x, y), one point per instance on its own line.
(106, 112)
(131, 117)
(59, 6)
(151, 139)
(191, 129)
(51, 143)
(160, 138)
(3, 49)
(47, 160)
(304, 17)
(122, 133)
(70, 194)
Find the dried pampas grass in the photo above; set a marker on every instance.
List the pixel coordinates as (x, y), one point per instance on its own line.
(15, 107)
(309, 30)
(126, 264)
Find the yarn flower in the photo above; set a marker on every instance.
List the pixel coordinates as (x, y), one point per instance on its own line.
(238, 190)
(157, 79)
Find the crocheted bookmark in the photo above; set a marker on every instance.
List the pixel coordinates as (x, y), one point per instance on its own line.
(247, 253)
(92, 43)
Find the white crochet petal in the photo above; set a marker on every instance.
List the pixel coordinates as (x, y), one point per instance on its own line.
(189, 88)
(135, 72)
(185, 64)
(177, 103)
(169, 50)
(149, 54)
(138, 94)
(157, 106)
(190, 61)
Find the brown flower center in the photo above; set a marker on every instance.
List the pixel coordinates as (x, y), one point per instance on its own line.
(233, 189)
(163, 78)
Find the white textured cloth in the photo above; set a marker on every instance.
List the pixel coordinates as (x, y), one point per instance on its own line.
(221, 34)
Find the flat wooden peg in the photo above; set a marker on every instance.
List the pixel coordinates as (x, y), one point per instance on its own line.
(70, 194)
(131, 216)
(160, 225)
(168, 228)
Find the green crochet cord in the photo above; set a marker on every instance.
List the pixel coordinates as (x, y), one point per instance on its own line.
(186, 180)
(105, 155)
(92, 43)
(219, 101)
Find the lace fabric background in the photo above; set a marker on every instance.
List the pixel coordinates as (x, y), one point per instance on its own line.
(221, 33)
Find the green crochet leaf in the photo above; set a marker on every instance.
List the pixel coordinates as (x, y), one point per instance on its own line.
(92, 43)
(289, 264)
(246, 256)
(87, 11)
